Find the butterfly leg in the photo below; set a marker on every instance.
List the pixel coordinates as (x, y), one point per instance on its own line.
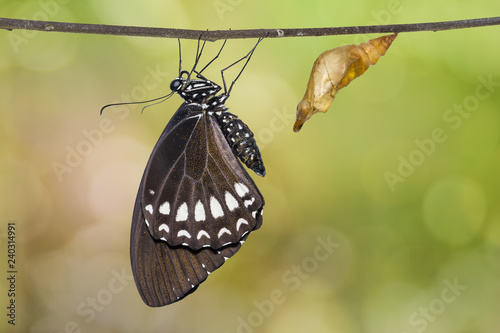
(247, 57)
(198, 55)
(199, 73)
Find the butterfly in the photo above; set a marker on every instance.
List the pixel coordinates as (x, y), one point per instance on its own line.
(196, 204)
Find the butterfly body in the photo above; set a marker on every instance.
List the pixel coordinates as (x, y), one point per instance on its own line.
(196, 203)
(241, 140)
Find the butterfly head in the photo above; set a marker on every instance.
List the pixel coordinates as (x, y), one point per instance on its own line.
(176, 84)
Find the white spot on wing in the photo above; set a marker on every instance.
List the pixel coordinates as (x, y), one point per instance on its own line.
(184, 233)
(216, 208)
(239, 223)
(182, 213)
(202, 233)
(241, 189)
(249, 202)
(165, 208)
(245, 188)
(147, 223)
(223, 231)
(149, 208)
(164, 227)
(199, 212)
(151, 192)
(231, 202)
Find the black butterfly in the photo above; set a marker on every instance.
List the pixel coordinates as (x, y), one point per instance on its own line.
(196, 203)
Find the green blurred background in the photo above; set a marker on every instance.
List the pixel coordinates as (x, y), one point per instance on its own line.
(418, 253)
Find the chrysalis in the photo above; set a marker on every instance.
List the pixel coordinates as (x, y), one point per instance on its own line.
(333, 70)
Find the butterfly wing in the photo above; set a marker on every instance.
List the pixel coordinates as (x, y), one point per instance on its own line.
(165, 274)
(195, 206)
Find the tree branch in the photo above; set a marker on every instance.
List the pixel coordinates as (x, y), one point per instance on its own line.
(116, 30)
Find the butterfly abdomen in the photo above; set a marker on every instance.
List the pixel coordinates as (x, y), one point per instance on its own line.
(241, 141)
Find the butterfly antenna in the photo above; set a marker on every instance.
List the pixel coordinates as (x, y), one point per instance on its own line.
(247, 57)
(163, 99)
(160, 99)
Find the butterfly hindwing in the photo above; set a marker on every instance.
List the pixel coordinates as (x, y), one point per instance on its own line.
(166, 274)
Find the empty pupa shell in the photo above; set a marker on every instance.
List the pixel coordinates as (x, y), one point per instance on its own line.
(333, 70)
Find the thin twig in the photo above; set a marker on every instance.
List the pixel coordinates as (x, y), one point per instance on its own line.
(116, 30)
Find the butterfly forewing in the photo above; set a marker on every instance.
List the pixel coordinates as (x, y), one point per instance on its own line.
(196, 193)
